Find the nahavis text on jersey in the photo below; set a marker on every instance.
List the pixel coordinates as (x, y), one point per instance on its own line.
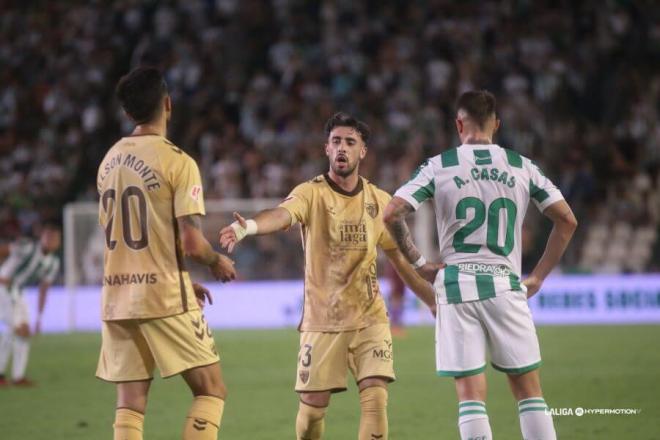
(129, 278)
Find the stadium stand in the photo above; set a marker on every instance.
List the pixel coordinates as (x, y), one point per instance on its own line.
(253, 82)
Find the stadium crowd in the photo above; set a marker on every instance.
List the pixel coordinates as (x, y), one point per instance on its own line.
(253, 82)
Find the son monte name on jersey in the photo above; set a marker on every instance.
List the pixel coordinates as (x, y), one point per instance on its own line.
(131, 161)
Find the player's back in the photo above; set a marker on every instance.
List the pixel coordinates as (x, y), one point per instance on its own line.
(144, 182)
(481, 194)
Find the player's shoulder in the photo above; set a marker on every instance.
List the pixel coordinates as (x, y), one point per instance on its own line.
(23, 245)
(313, 184)
(380, 194)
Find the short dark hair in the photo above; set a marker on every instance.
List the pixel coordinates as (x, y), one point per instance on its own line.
(480, 105)
(140, 93)
(342, 119)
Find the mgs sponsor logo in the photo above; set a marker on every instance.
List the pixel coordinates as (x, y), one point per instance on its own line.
(304, 375)
(384, 353)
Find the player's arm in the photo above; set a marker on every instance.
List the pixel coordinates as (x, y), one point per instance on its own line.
(395, 220)
(265, 222)
(197, 247)
(565, 224)
(41, 304)
(421, 288)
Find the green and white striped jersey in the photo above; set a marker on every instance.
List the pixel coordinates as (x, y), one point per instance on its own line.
(480, 194)
(27, 264)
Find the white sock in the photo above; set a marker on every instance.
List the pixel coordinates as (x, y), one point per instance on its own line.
(20, 357)
(5, 350)
(535, 419)
(473, 420)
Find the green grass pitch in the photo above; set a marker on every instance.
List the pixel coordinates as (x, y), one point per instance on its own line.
(590, 367)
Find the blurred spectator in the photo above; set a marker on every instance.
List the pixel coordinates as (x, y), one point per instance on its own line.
(253, 82)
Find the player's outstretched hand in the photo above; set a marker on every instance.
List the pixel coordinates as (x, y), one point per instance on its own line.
(202, 294)
(223, 269)
(533, 285)
(230, 235)
(430, 270)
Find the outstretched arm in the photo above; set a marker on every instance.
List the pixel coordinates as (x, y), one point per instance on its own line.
(395, 221)
(265, 222)
(197, 247)
(565, 224)
(419, 286)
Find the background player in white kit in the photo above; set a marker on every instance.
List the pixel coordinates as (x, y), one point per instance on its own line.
(481, 193)
(28, 262)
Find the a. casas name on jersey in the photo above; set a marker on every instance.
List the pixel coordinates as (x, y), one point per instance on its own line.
(122, 279)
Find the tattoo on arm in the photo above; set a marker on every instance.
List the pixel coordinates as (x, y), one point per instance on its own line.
(205, 254)
(401, 233)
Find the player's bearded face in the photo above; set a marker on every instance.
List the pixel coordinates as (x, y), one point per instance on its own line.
(345, 149)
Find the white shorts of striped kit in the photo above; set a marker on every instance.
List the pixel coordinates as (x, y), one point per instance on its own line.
(13, 309)
(501, 325)
(465, 282)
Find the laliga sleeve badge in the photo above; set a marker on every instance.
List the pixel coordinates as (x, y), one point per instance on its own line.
(195, 192)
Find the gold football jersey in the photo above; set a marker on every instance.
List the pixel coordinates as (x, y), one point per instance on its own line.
(340, 233)
(145, 183)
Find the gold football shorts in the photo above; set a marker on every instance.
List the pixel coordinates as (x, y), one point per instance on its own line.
(325, 357)
(132, 348)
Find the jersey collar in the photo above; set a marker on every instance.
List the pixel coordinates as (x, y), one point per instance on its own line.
(338, 189)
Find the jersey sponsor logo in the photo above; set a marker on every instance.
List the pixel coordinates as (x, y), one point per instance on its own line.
(497, 270)
(195, 192)
(129, 278)
(352, 234)
(384, 353)
(372, 209)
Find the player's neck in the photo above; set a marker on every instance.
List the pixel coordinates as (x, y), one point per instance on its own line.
(158, 128)
(347, 183)
(478, 138)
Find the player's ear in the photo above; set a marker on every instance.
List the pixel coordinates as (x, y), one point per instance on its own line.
(497, 125)
(459, 126)
(327, 149)
(363, 151)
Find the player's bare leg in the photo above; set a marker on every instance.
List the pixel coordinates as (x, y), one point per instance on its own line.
(131, 405)
(472, 415)
(20, 353)
(535, 419)
(209, 391)
(373, 406)
(311, 412)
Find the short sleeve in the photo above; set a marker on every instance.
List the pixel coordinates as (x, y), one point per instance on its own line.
(298, 203)
(385, 241)
(420, 187)
(541, 189)
(188, 193)
(51, 275)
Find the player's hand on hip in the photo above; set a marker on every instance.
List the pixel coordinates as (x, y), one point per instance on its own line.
(232, 234)
(202, 294)
(429, 271)
(223, 269)
(533, 284)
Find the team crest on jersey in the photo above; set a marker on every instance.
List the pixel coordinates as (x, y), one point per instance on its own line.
(372, 209)
(195, 192)
(304, 376)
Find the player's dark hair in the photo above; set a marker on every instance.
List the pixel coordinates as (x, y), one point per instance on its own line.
(140, 93)
(51, 224)
(480, 105)
(344, 120)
